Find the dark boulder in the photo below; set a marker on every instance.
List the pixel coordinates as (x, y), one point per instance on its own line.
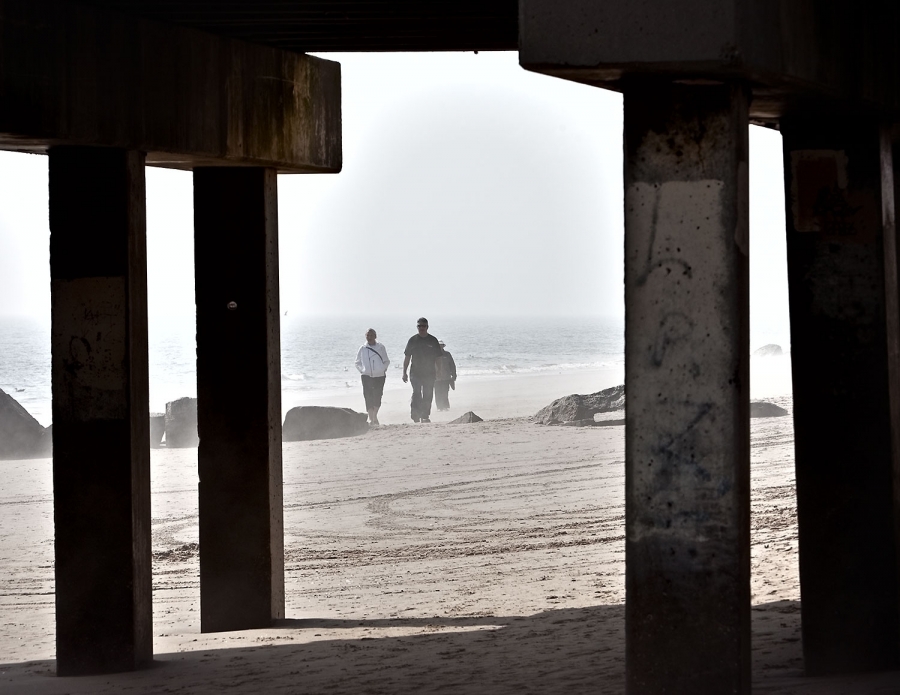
(181, 424)
(322, 422)
(465, 419)
(21, 436)
(576, 407)
(762, 409)
(157, 429)
(769, 351)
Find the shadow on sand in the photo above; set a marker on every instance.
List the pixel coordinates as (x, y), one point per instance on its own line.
(567, 651)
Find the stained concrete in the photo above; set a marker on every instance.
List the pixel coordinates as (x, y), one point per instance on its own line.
(101, 441)
(77, 75)
(787, 52)
(687, 380)
(839, 294)
(238, 398)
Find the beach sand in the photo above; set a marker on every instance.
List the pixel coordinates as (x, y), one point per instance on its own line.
(483, 558)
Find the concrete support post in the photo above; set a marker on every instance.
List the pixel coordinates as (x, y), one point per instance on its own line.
(239, 398)
(843, 297)
(101, 440)
(687, 444)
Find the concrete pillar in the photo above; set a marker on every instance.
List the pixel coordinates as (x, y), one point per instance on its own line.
(238, 398)
(687, 442)
(837, 181)
(101, 440)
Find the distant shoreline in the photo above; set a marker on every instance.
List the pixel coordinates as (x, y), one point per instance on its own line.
(520, 395)
(497, 395)
(490, 397)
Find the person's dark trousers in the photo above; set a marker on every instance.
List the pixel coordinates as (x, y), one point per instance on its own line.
(442, 395)
(423, 393)
(373, 389)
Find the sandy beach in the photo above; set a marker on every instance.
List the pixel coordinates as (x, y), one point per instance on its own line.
(485, 558)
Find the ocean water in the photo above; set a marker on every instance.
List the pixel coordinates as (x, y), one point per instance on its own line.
(318, 353)
(25, 364)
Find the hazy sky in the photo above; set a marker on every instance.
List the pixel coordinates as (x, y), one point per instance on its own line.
(469, 187)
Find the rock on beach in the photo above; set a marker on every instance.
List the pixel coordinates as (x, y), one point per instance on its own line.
(465, 419)
(577, 407)
(157, 429)
(763, 409)
(21, 436)
(307, 422)
(181, 424)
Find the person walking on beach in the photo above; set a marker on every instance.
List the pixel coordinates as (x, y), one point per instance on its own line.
(422, 350)
(372, 362)
(444, 378)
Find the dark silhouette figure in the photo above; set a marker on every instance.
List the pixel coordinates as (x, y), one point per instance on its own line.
(422, 350)
(444, 379)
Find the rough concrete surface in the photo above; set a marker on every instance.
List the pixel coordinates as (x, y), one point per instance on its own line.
(687, 380)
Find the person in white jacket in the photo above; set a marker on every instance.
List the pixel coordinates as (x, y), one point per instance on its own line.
(372, 362)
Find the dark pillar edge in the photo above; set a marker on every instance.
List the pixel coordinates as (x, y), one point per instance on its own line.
(808, 131)
(138, 344)
(892, 311)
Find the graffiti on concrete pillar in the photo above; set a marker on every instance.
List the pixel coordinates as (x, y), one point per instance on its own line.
(681, 256)
(90, 356)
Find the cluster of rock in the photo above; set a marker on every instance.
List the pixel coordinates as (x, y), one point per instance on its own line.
(304, 423)
(580, 409)
(21, 436)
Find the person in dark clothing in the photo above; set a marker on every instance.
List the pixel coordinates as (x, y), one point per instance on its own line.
(422, 350)
(444, 379)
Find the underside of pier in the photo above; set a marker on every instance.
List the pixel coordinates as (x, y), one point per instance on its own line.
(225, 90)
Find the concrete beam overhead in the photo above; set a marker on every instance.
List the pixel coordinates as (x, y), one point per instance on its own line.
(789, 52)
(76, 75)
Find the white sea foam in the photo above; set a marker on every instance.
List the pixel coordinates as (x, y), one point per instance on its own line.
(541, 368)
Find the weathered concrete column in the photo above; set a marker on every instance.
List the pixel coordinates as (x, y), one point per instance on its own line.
(239, 398)
(686, 375)
(101, 441)
(840, 293)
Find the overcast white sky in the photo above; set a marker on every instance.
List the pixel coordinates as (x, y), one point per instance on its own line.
(469, 187)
